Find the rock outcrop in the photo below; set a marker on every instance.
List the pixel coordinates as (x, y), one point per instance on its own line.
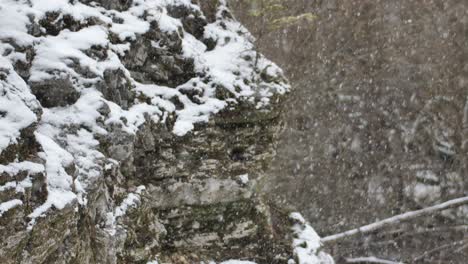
(135, 131)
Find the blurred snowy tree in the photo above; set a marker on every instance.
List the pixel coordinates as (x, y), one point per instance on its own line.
(274, 14)
(377, 124)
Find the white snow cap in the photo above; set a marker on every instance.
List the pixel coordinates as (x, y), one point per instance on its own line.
(306, 245)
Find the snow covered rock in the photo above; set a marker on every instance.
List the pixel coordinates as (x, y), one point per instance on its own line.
(307, 246)
(124, 127)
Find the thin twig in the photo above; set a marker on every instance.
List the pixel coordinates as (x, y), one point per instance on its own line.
(371, 260)
(397, 219)
(402, 234)
(437, 249)
(460, 249)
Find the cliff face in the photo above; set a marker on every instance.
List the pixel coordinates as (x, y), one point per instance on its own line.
(133, 131)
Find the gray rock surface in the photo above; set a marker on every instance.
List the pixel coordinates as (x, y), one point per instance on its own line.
(55, 92)
(96, 177)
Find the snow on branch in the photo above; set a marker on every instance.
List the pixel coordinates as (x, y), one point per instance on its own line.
(371, 260)
(396, 219)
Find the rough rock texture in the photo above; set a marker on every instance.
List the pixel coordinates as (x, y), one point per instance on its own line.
(135, 131)
(378, 121)
(55, 92)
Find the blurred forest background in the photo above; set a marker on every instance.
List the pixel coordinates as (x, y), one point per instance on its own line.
(377, 123)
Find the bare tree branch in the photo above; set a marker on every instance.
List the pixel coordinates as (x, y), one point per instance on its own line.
(397, 219)
(460, 249)
(399, 234)
(402, 234)
(465, 115)
(371, 260)
(437, 249)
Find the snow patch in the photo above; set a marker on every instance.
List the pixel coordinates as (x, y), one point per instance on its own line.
(6, 206)
(131, 201)
(17, 104)
(244, 178)
(306, 244)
